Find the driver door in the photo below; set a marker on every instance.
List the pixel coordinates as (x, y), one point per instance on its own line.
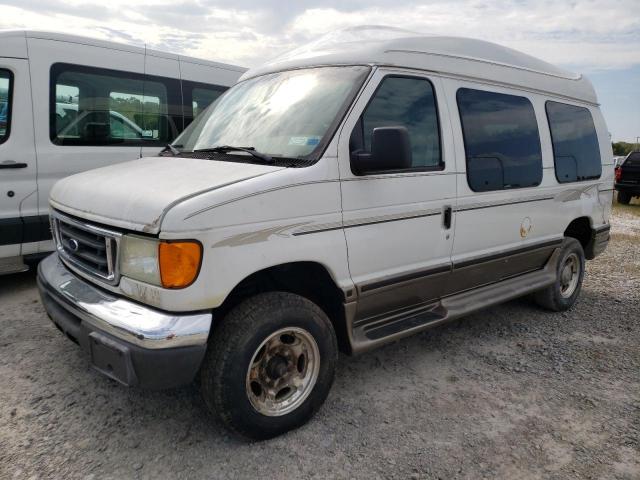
(399, 224)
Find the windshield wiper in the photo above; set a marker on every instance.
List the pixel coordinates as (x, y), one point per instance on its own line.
(174, 151)
(228, 148)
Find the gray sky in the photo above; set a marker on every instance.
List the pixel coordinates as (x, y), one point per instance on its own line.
(596, 37)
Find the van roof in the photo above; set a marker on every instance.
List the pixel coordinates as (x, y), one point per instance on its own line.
(63, 37)
(457, 56)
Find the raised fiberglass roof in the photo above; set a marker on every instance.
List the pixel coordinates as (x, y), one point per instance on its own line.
(448, 55)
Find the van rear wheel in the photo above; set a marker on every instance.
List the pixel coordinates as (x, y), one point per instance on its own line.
(624, 198)
(563, 293)
(270, 365)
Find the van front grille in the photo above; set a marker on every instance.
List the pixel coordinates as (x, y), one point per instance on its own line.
(87, 247)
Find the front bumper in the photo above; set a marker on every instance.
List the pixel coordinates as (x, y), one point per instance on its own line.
(129, 342)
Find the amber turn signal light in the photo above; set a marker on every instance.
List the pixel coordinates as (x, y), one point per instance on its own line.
(179, 263)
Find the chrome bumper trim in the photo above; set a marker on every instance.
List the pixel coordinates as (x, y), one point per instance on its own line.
(122, 318)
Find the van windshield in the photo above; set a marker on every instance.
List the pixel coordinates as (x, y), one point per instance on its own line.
(288, 114)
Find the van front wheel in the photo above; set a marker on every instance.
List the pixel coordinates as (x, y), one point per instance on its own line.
(563, 293)
(270, 365)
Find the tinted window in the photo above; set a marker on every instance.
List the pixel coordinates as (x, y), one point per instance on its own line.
(407, 102)
(202, 98)
(107, 107)
(575, 144)
(6, 85)
(197, 97)
(633, 159)
(501, 140)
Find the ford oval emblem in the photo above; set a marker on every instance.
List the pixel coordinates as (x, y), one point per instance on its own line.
(73, 245)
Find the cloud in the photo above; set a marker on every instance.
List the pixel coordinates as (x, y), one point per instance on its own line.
(597, 37)
(587, 35)
(83, 10)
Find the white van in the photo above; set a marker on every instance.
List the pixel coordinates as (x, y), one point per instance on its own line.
(69, 104)
(348, 194)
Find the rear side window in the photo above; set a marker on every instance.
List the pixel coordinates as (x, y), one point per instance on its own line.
(576, 150)
(408, 102)
(197, 97)
(6, 90)
(501, 140)
(632, 160)
(97, 107)
(202, 98)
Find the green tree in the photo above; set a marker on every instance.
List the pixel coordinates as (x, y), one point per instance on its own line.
(622, 148)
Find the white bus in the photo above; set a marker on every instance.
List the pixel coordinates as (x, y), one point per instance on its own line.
(69, 104)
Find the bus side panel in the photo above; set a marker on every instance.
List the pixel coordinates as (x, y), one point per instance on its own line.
(59, 161)
(172, 114)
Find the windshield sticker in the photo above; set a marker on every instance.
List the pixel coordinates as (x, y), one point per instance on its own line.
(312, 140)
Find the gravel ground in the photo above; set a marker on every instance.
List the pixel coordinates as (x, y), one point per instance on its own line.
(510, 392)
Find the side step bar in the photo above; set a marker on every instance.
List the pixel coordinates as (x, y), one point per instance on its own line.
(404, 321)
(368, 335)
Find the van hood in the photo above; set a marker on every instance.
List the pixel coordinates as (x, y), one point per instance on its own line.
(136, 195)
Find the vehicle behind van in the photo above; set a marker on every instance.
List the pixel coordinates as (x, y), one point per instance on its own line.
(628, 178)
(69, 104)
(345, 195)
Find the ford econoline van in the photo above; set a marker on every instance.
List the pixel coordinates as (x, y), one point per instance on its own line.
(342, 196)
(69, 104)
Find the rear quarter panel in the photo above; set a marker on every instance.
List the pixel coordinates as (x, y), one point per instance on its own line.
(608, 168)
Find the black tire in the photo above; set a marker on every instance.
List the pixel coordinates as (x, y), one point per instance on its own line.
(552, 297)
(624, 198)
(231, 351)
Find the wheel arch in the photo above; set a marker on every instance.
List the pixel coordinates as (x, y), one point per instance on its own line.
(581, 228)
(308, 279)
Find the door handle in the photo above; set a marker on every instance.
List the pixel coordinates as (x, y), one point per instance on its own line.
(447, 212)
(12, 164)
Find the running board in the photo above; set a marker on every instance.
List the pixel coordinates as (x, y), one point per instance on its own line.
(370, 333)
(397, 323)
(12, 265)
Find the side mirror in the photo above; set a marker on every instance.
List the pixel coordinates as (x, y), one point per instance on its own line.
(390, 150)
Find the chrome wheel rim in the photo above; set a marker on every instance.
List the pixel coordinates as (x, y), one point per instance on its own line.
(569, 275)
(283, 371)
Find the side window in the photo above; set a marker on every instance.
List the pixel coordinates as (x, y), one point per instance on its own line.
(67, 109)
(123, 128)
(201, 98)
(129, 112)
(576, 150)
(107, 107)
(6, 89)
(501, 140)
(632, 160)
(197, 97)
(407, 102)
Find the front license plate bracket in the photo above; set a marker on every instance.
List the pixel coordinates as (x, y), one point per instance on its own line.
(112, 359)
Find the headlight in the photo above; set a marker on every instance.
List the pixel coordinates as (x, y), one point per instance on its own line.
(139, 259)
(169, 264)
